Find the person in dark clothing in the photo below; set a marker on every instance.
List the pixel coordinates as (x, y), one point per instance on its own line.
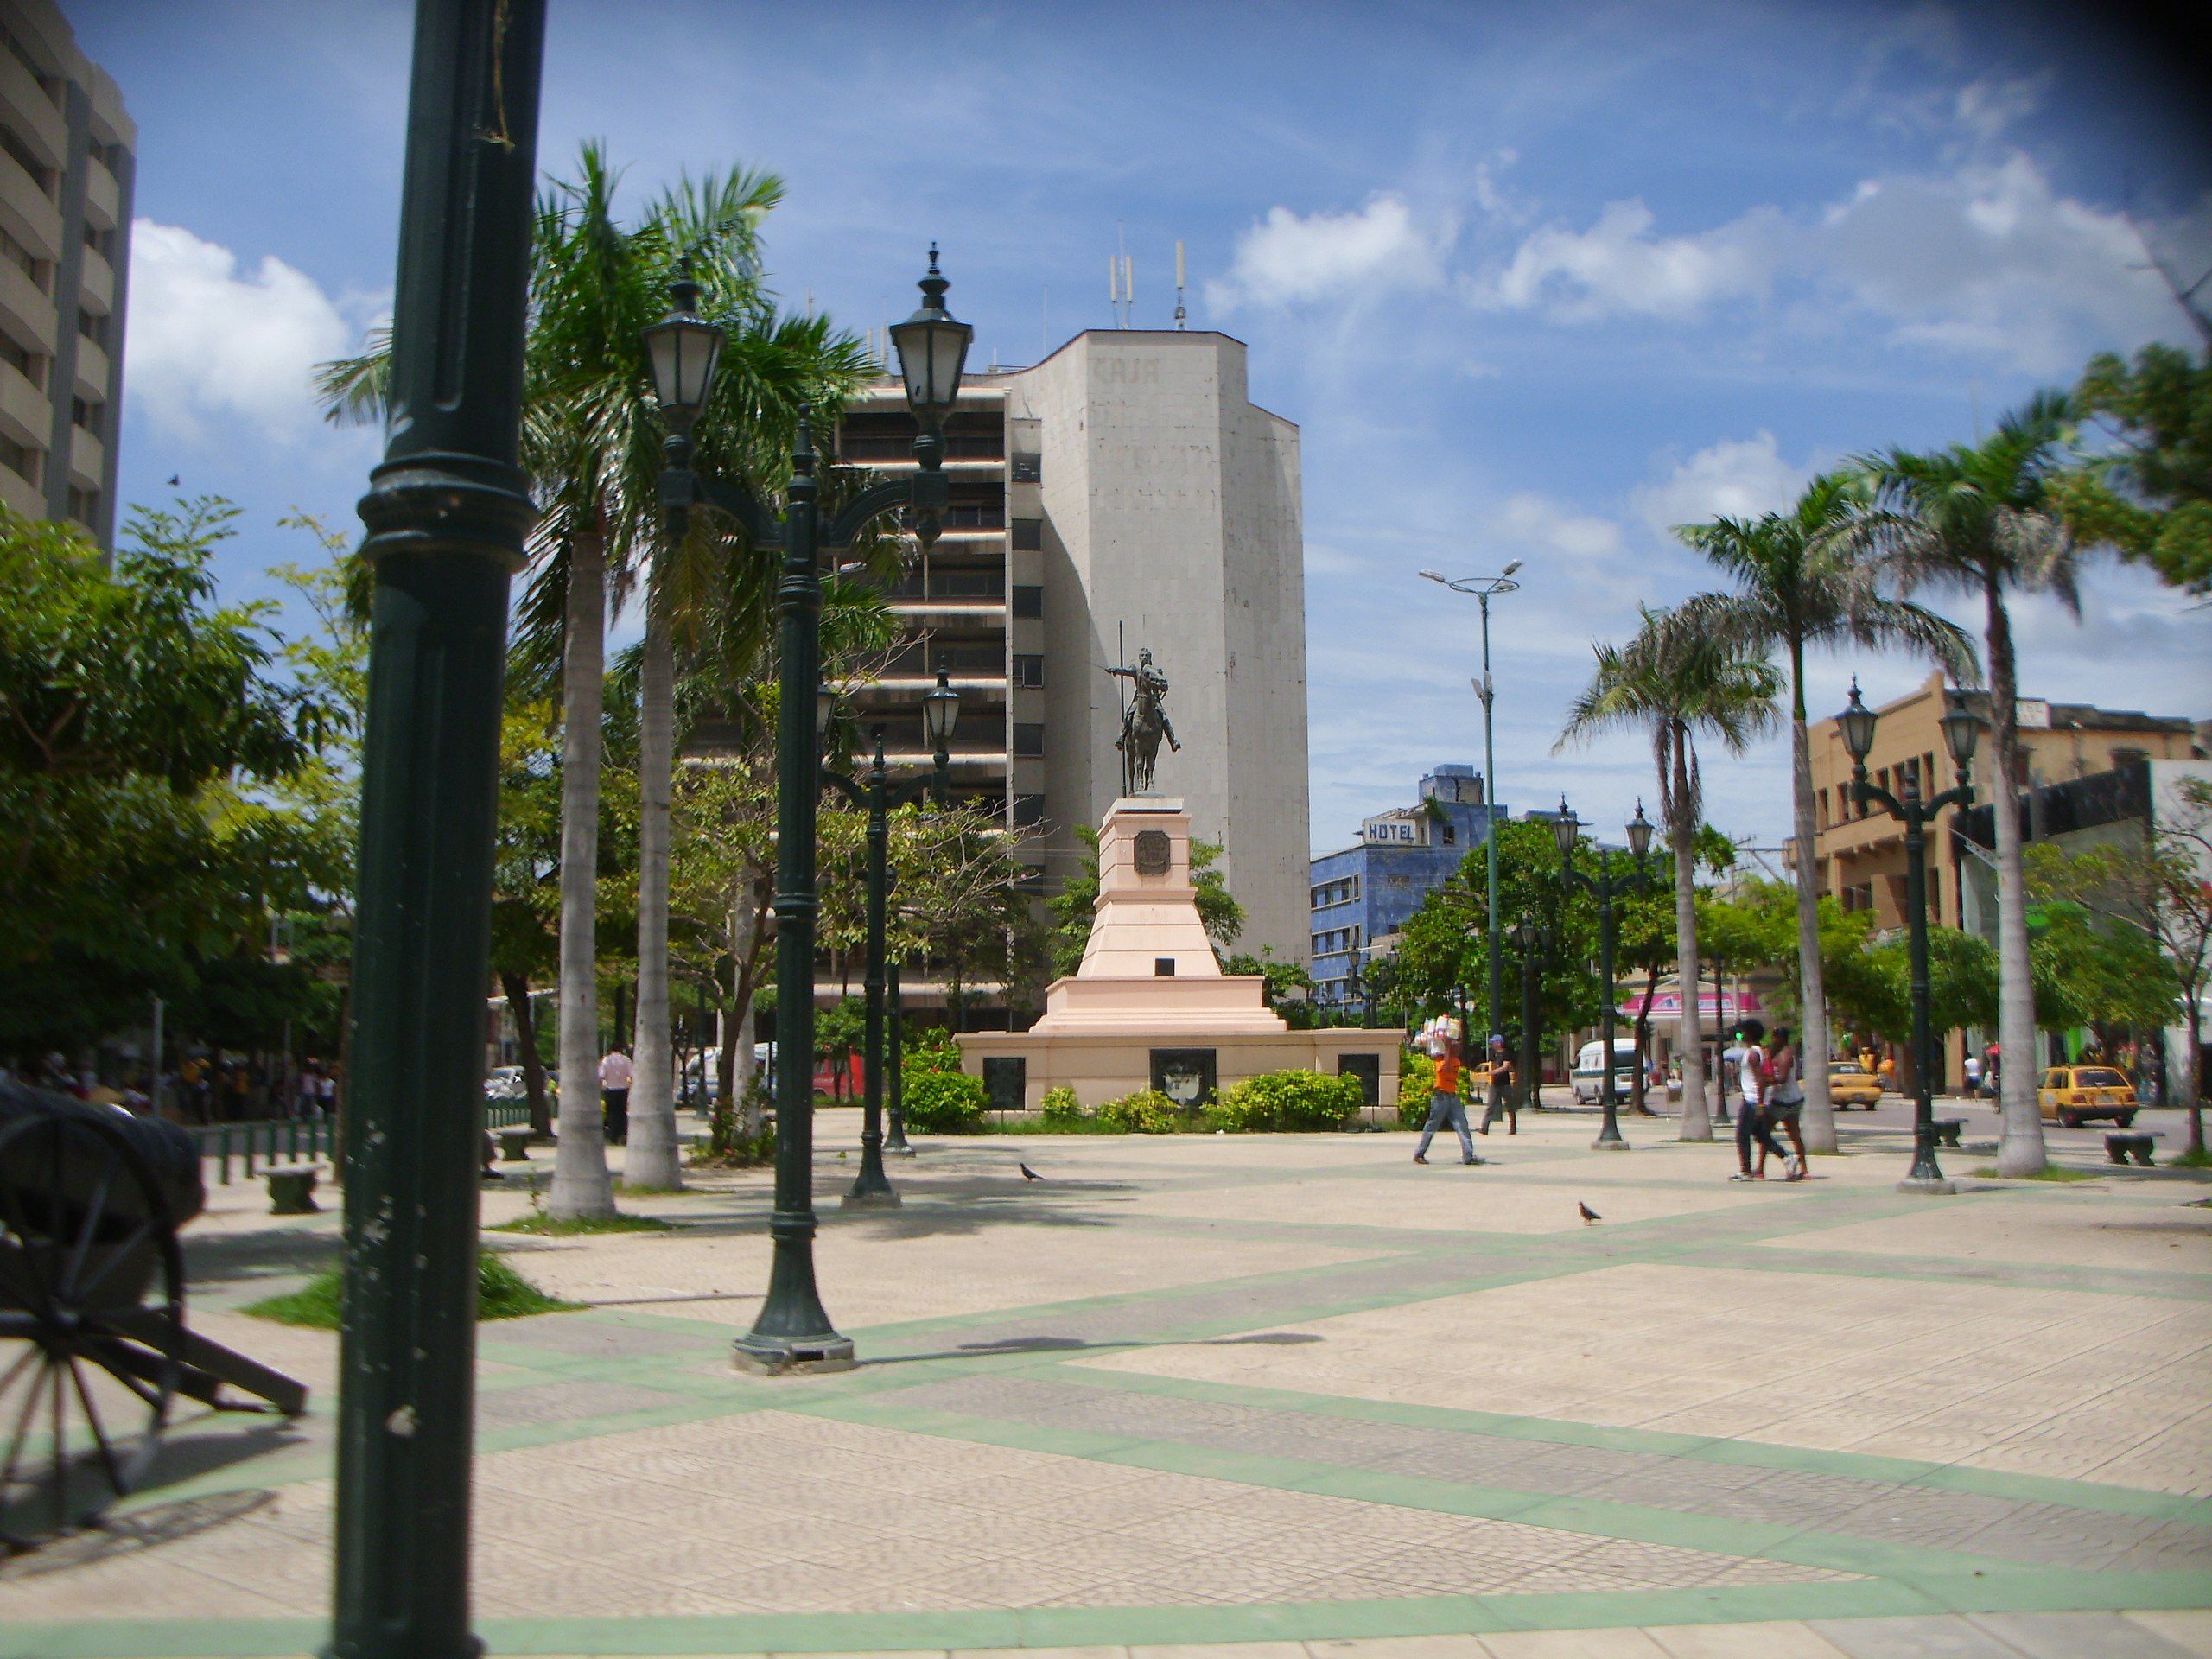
(1752, 1123)
(1503, 1103)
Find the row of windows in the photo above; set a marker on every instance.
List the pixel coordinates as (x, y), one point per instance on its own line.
(27, 158)
(21, 460)
(1340, 892)
(1337, 940)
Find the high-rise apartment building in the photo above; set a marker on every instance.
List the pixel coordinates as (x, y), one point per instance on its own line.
(66, 165)
(1123, 494)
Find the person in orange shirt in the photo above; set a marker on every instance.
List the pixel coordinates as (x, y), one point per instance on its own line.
(1444, 1106)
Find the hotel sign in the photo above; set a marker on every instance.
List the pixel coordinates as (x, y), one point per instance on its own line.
(1390, 830)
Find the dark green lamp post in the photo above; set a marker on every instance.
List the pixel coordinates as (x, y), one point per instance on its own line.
(1530, 941)
(1962, 730)
(793, 1332)
(877, 796)
(447, 512)
(1567, 830)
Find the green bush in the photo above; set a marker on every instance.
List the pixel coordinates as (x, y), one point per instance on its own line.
(1416, 1082)
(1146, 1112)
(1287, 1102)
(932, 1051)
(944, 1103)
(1060, 1105)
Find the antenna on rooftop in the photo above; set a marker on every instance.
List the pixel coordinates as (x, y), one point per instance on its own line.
(1121, 280)
(1179, 313)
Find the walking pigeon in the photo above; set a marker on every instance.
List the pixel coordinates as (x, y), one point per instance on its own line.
(1027, 1173)
(1588, 1214)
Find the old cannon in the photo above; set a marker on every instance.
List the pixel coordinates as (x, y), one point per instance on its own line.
(94, 1346)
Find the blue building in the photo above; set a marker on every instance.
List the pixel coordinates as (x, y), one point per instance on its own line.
(1366, 891)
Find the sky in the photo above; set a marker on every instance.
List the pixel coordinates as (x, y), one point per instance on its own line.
(1536, 283)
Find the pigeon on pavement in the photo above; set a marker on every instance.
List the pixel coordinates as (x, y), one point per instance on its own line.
(1027, 1173)
(1588, 1214)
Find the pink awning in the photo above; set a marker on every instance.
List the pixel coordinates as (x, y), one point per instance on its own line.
(1713, 1008)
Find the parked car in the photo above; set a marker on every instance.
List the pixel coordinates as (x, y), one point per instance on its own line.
(1590, 1076)
(1851, 1084)
(2072, 1095)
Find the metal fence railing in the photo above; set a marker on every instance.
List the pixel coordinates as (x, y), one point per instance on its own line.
(264, 1141)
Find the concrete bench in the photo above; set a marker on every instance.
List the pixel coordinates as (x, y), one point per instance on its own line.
(1946, 1129)
(2120, 1145)
(291, 1191)
(514, 1146)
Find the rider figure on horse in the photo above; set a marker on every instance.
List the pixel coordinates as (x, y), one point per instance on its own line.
(1144, 723)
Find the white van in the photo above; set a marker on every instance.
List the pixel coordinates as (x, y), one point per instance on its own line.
(1589, 1073)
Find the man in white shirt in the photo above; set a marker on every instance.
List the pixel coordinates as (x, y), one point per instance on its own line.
(614, 1078)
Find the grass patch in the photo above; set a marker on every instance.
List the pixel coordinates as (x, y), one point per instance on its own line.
(2058, 1172)
(541, 1225)
(501, 1293)
(2197, 1158)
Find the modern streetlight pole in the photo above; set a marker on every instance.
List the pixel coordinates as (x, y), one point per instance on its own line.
(1961, 731)
(793, 1332)
(447, 512)
(1567, 829)
(1484, 587)
(940, 712)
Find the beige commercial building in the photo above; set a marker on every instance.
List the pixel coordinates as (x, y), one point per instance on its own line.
(66, 169)
(1123, 494)
(1859, 853)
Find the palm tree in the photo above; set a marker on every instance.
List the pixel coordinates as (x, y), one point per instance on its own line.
(1674, 685)
(1797, 583)
(1975, 519)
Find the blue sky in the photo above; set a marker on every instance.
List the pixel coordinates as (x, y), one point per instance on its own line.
(1536, 282)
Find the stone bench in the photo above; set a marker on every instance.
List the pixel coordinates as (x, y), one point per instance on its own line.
(1947, 1128)
(514, 1146)
(291, 1191)
(2119, 1146)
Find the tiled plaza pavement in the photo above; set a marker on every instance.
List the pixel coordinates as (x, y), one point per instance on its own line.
(1288, 1397)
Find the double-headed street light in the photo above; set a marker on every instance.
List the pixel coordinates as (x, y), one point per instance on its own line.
(1484, 588)
(1567, 830)
(793, 1332)
(1961, 731)
(877, 796)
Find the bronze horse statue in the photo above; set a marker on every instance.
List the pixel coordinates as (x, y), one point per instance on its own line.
(1144, 722)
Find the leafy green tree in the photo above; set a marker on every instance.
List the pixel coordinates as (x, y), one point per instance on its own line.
(1978, 519)
(1677, 684)
(2151, 495)
(1288, 988)
(1801, 581)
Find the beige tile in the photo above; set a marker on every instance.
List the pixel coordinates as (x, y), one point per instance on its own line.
(1786, 1639)
(2188, 1629)
(1400, 1647)
(1572, 1644)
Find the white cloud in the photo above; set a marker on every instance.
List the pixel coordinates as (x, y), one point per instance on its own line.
(1986, 108)
(1286, 259)
(208, 346)
(1543, 525)
(1987, 258)
(1737, 478)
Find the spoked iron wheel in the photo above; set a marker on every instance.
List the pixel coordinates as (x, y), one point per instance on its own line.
(85, 1239)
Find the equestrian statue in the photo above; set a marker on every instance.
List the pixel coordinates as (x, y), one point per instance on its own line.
(1144, 722)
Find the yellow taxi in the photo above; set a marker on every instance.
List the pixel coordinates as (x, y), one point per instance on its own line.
(1852, 1084)
(2072, 1095)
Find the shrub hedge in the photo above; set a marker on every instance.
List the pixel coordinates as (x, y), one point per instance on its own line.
(1279, 1103)
(1146, 1112)
(944, 1103)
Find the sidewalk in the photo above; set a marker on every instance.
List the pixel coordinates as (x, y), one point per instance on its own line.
(1283, 1397)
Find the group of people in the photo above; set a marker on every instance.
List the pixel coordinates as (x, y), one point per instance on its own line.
(1446, 1106)
(1762, 1071)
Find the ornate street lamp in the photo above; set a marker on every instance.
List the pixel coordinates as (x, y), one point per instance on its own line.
(1484, 588)
(793, 1332)
(877, 796)
(1530, 941)
(1567, 830)
(1962, 730)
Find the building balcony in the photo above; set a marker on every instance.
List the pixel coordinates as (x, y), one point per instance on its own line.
(27, 211)
(30, 307)
(26, 417)
(103, 196)
(91, 370)
(20, 495)
(87, 459)
(98, 282)
(951, 612)
(32, 114)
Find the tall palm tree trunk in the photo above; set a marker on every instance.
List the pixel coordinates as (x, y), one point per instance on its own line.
(1682, 837)
(652, 1159)
(580, 1187)
(1817, 1124)
(2020, 1149)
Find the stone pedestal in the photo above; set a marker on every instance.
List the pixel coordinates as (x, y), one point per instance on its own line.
(1149, 1007)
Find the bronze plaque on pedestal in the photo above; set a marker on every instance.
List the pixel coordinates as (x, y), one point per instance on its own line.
(1153, 853)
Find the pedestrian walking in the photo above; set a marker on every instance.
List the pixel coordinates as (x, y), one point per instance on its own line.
(1750, 1080)
(1785, 1098)
(1973, 1076)
(1504, 1102)
(614, 1078)
(1444, 1106)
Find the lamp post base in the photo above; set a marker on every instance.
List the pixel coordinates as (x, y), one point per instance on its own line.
(1616, 1144)
(760, 1355)
(898, 1150)
(1935, 1184)
(872, 1197)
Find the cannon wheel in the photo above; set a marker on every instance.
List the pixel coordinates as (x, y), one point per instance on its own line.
(65, 1274)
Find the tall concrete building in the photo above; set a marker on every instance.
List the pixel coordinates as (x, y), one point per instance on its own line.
(67, 152)
(1125, 493)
